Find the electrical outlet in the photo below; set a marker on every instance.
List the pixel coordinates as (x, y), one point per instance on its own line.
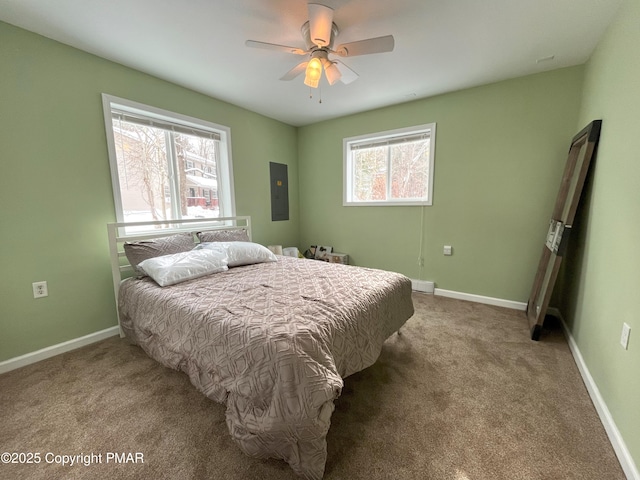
(448, 250)
(40, 289)
(624, 337)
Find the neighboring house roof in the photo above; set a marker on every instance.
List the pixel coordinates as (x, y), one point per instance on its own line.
(202, 182)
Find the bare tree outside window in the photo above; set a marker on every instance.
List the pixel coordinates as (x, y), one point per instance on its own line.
(370, 174)
(142, 163)
(409, 169)
(166, 165)
(390, 168)
(144, 171)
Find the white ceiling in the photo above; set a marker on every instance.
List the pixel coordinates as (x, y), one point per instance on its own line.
(440, 45)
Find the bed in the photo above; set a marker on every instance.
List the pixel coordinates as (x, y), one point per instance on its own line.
(270, 337)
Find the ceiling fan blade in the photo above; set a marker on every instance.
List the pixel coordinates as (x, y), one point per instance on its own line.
(320, 24)
(331, 71)
(348, 75)
(365, 47)
(274, 46)
(295, 71)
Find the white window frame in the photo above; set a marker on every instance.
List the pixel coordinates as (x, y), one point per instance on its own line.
(397, 134)
(225, 166)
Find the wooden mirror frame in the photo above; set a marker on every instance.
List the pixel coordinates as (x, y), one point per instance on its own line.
(581, 152)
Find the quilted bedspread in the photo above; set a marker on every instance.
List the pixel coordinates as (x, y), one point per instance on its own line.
(272, 342)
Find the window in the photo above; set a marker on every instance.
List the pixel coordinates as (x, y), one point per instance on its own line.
(390, 168)
(155, 159)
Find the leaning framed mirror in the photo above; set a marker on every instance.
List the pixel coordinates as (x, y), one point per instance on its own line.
(582, 150)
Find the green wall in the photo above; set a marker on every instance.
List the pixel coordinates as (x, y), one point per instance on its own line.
(500, 152)
(55, 184)
(602, 276)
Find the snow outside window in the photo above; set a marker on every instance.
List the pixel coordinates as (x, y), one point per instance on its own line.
(390, 168)
(166, 166)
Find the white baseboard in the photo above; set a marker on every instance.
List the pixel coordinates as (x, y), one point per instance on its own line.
(422, 286)
(617, 442)
(499, 302)
(54, 350)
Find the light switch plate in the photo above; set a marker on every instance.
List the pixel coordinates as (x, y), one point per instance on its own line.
(624, 337)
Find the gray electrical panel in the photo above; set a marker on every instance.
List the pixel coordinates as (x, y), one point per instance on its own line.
(279, 191)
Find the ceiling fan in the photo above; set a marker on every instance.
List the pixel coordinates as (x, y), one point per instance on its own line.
(319, 33)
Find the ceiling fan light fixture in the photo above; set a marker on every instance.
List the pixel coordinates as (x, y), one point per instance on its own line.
(331, 71)
(313, 73)
(319, 33)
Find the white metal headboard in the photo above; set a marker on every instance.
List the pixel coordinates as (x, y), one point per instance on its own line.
(120, 233)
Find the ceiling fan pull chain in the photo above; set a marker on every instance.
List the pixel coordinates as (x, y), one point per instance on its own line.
(320, 94)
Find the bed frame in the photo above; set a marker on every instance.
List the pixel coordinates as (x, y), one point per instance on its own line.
(287, 349)
(120, 233)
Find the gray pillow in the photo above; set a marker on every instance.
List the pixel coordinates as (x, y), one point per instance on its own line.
(233, 235)
(137, 252)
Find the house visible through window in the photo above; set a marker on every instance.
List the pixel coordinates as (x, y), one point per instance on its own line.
(166, 166)
(390, 168)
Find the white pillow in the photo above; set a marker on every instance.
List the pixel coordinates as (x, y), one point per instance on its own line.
(241, 253)
(179, 267)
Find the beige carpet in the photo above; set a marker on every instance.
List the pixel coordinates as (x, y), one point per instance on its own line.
(462, 394)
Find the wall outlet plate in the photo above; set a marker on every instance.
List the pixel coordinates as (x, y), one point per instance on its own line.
(624, 337)
(40, 289)
(448, 250)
